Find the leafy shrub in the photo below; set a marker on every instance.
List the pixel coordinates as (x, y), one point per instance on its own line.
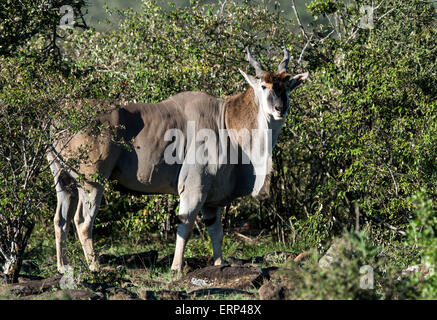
(360, 136)
(322, 7)
(422, 238)
(360, 140)
(157, 53)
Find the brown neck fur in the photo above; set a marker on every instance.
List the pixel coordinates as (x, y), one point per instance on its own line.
(241, 111)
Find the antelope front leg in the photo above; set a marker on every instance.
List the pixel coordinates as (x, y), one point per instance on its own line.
(212, 220)
(190, 205)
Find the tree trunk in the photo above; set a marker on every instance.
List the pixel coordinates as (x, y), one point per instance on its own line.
(12, 267)
(14, 258)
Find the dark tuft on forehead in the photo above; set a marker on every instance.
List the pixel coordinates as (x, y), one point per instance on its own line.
(271, 77)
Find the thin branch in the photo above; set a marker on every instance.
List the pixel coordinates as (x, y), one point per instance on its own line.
(299, 22)
(303, 50)
(327, 36)
(223, 7)
(385, 14)
(378, 219)
(248, 239)
(376, 8)
(394, 180)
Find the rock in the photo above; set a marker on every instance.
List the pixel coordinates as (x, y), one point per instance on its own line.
(244, 262)
(146, 294)
(122, 294)
(232, 277)
(334, 253)
(67, 295)
(33, 287)
(271, 291)
(162, 295)
(102, 287)
(191, 264)
(220, 292)
(196, 263)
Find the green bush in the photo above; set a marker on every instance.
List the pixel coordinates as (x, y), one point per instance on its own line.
(360, 140)
(29, 103)
(361, 134)
(422, 237)
(354, 273)
(322, 7)
(156, 53)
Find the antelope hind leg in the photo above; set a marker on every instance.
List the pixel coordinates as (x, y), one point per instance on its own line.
(67, 197)
(90, 196)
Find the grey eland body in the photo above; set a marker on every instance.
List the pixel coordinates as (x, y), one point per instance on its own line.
(206, 186)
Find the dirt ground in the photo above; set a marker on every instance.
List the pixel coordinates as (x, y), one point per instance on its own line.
(128, 277)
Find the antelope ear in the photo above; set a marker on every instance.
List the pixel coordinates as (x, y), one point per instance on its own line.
(250, 79)
(302, 76)
(297, 80)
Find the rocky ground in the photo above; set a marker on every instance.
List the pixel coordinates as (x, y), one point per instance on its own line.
(146, 276)
(249, 279)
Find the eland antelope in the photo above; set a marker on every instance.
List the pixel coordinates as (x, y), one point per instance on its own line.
(150, 166)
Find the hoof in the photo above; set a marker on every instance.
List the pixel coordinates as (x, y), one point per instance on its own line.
(176, 274)
(219, 262)
(61, 269)
(94, 267)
